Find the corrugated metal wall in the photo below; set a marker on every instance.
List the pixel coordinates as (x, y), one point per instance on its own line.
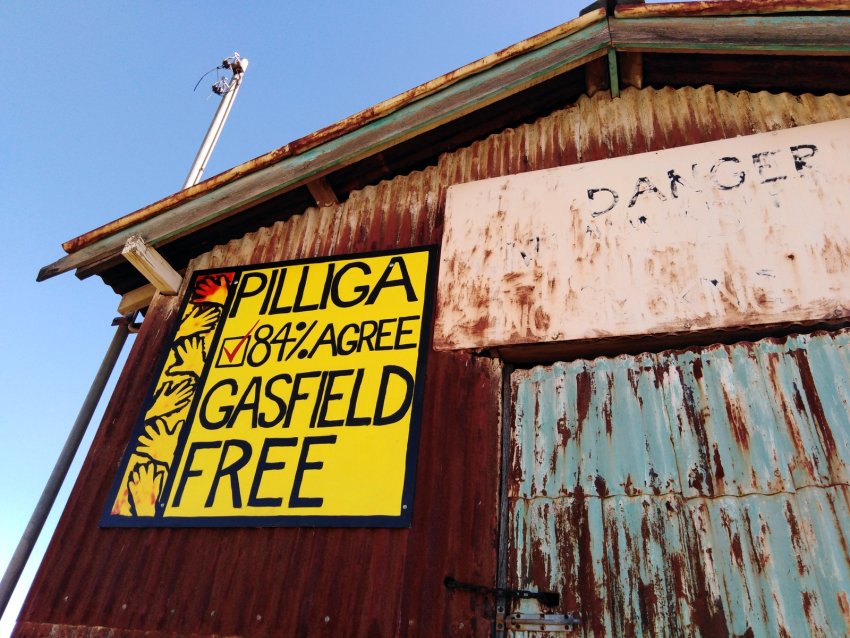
(292, 581)
(638, 121)
(697, 492)
(365, 582)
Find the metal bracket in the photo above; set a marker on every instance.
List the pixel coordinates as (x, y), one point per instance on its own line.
(546, 598)
(543, 622)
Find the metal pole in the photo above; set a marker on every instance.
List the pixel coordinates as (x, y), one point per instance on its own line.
(60, 470)
(217, 124)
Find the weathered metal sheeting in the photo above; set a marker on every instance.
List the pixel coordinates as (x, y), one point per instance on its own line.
(292, 581)
(193, 573)
(599, 128)
(702, 237)
(640, 120)
(697, 492)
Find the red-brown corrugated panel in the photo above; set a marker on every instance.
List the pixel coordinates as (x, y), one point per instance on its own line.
(640, 120)
(291, 581)
(356, 582)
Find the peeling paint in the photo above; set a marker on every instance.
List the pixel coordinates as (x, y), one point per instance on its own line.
(706, 507)
(681, 240)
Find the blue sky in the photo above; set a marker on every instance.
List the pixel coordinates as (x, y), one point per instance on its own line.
(98, 119)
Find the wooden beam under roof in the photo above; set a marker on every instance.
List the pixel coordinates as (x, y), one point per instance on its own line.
(631, 69)
(596, 76)
(137, 299)
(152, 265)
(322, 192)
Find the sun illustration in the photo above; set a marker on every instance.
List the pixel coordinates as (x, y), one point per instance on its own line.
(212, 288)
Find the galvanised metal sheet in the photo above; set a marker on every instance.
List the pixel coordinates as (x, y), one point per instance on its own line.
(696, 492)
(702, 237)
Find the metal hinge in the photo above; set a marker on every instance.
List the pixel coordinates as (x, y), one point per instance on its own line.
(543, 622)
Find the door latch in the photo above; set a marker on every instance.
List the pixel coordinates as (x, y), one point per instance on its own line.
(543, 622)
(518, 621)
(547, 598)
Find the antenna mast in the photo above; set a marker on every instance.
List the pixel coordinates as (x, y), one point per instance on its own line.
(227, 90)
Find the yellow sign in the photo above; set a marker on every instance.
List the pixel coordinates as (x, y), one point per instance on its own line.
(290, 395)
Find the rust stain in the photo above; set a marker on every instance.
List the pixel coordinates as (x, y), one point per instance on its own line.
(696, 420)
(584, 391)
(594, 599)
(542, 320)
(540, 571)
(807, 608)
(719, 474)
(739, 425)
(843, 605)
(801, 458)
(679, 572)
(697, 369)
(479, 326)
(601, 487)
(613, 289)
(707, 611)
(841, 537)
(629, 488)
(653, 482)
(608, 407)
(796, 538)
(670, 564)
(798, 400)
(563, 430)
(648, 603)
(761, 559)
(816, 409)
(734, 538)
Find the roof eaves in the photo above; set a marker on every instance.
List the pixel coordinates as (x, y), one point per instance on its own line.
(480, 84)
(679, 27)
(343, 127)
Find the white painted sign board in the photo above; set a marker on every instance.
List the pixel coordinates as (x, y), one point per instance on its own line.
(739, 232)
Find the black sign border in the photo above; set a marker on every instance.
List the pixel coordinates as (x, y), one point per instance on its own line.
(405, 517)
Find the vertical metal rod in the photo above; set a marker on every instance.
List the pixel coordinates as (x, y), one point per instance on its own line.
(216, 126)
(60, 470)
(502, 610)
(613, 74)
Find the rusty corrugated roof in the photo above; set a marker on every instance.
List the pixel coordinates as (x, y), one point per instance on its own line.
(334, 131)
(508, 74)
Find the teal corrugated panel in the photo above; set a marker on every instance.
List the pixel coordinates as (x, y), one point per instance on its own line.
(702, 492)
